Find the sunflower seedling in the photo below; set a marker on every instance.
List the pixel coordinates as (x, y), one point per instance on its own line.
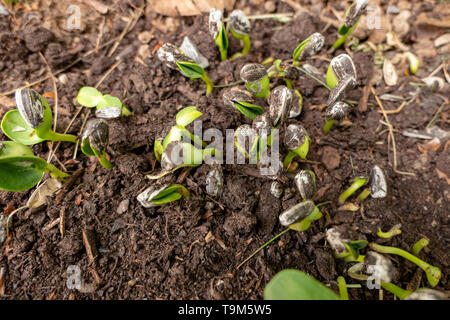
(243, 101)
(175, 59)
(218, 32)
(419, 245)
(240, 29)
(31, 122)
(280, 102)
(157, 195)
(352, 17)
(246, 138)
(20, 170)
(95, 140)
(374, 264)
(181, 154)
(308, 47)
(341, 78)
(107, 106)
(343, 247)
(297, 141)
(256, 79)
(395, 230)
(433, 274)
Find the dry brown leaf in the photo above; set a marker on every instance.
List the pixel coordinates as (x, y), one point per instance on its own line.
(177, 8)
(442, 175)
(389, 73)
(48, 188)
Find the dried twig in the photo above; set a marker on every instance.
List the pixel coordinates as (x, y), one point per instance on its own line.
(391, 132)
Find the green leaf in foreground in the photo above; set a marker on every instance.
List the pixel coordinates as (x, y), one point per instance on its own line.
(296, 285)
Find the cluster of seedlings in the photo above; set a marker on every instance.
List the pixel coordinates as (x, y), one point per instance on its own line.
(31, 124)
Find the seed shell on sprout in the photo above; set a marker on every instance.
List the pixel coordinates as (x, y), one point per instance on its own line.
(252, 72)
(337, 111)
(214, 181)
(236, 95)
(148, 194)
(215, 22)
(340, 90)
(30, 106)
(296, 108)
(291, 72)
(97, 131)
(296, 213)
(427, 294)
(338, 236)
(190, 49)
(378, 185)
(306, 183)
(172, 156)
(276, 189)
(280, 102)
(355, 12)
(343, 66)
(239, 22)
(382, 266)
(314, 45)
(170, 54)
(109, 113)
(295, 136)
(262, 122)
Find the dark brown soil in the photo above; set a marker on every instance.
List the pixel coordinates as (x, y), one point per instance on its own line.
(190, 249)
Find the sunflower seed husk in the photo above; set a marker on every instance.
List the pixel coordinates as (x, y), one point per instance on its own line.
(97, 131)
(215, 22)
(148, 194)
(297, 104)
(280, 102)
(379, 266)
(314, 45)
(427, 294)
(343, 67)
(236, 95)
(239, 22)
(296, 213)
(30, 106)
(378, 185)
(262, 122)
(173, 156)
(337, 111)
(252, 72)
(355, 12)
(389, 73)
(214, 182)
(340, 90)
(276, 189)
(109, 113)
(306, 183)
(169, 54)
(190, 49)
(295, 136)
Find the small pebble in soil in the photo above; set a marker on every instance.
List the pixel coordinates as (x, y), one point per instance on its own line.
(123, 206)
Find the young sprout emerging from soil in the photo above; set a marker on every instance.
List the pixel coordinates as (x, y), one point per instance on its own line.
(256, 79)
(433, 274)
(308, 48)
(175, 59)
(20, 170)
(419, 245)
(341, 78)
(31, 122)
(107, 106)
(352, 16)
(240, 29)
(243, 101)
(95, 140)
(297, 141)
(340, 241)
(337, 111)
(214, 181)
(157, 195)
(414, 62)
(395, 230)
(218, 32)
(357, 183)
(280, 102)
(181, 154)
(306, 183)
